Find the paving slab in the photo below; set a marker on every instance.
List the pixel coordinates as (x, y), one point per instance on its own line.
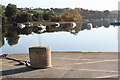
(65, 65)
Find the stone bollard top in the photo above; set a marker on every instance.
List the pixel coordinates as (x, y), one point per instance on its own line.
(37, 47)
(40, 50)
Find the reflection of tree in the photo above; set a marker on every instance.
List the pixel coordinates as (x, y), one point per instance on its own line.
(12, 38)
(50, 29)
(65, 27)
(26, 31)
(97, 24)
(76, 30)
(12, 33)
(85, 26)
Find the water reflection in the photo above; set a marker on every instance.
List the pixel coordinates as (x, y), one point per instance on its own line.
(12, 32)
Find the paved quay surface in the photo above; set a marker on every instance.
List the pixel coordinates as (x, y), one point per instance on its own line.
(65, 65)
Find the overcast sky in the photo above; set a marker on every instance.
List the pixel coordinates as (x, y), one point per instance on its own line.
(86, 4)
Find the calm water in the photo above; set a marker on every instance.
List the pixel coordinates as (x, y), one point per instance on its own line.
(99, 39)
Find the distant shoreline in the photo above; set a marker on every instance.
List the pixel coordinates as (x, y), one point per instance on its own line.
(63, 52)
(44, 22)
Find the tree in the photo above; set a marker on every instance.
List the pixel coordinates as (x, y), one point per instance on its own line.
(3, 18)
(106, 14)
(24, 17)
(46, 15)
(50, 16)
(26, 31)
(11, 12)
(37, 17)
(71, 15)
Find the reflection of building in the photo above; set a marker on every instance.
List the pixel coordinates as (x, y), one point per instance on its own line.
(87, 26)
(56, 25)
(28, 24)
(73, 24)
(115, 23)
(39, 29)
(95, 24)
(21, 26)
(101, 23)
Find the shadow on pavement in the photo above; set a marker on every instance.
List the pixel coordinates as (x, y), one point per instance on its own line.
(16, 71)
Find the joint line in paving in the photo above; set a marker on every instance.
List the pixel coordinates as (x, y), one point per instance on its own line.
(89, 70)
(88, 62)
(109, 76)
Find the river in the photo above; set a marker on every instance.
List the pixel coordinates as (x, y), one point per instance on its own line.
(94, 39)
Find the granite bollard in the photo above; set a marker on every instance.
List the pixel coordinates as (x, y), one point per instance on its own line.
(40, 57)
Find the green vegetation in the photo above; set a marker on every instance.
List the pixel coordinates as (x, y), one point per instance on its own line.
(95, 15)
(24, 17)
(37, 17)
(50, 16)
(38, 11)
(71, 15)
(13, 14)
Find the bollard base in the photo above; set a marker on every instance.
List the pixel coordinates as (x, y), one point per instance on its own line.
(46, 67)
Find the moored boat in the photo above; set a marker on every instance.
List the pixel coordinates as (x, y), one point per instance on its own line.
(115, 23)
